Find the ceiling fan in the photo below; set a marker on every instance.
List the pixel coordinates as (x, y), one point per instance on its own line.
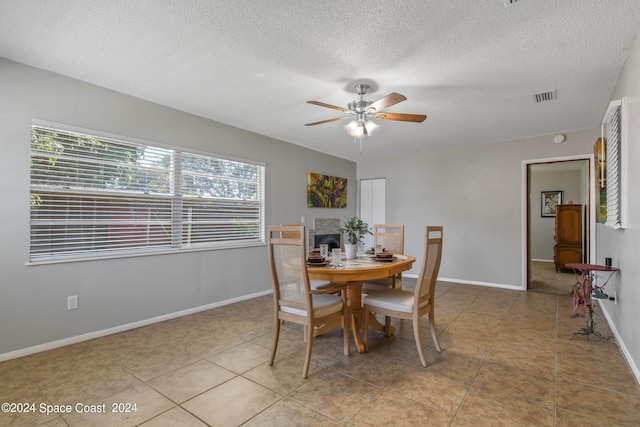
(362, 112)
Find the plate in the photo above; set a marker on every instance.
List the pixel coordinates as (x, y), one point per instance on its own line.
(393, 258)
(318, 264)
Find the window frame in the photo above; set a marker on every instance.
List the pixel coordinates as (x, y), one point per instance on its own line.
(174, 239)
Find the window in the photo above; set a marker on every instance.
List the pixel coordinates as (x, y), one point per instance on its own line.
(614, 171)
(95, 197)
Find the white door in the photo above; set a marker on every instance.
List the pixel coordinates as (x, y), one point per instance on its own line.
(372, 202)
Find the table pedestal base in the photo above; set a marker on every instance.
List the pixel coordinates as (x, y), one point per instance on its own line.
(354, 300)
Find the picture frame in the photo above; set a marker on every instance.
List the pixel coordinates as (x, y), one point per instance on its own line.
(549, 201)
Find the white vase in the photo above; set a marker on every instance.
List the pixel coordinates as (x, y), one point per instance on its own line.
(351, 250)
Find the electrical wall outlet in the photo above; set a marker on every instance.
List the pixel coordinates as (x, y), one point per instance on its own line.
(72, 302)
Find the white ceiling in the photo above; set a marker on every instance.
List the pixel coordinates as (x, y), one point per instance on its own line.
(471, 66)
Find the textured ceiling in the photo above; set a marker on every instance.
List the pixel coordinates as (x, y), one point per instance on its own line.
(471, 66)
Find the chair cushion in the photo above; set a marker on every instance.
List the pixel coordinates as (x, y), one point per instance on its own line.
(323, 304)
(319, 284)
(391, 299)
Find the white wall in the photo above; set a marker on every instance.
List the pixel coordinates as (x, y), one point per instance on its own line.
(119, 292)
(623, 245)
(476, 194)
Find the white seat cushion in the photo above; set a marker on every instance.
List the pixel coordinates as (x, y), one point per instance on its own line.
(323, 305)
(319, 284)
(391, 299)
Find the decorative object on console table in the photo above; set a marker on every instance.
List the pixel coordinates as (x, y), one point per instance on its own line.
(549, 201)
(354, 229)
(324, 191)
(583, 293)
(568, 238)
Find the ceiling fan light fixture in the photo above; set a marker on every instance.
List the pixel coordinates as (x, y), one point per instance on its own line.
(354, 129)
(361, 128)
(372, 128)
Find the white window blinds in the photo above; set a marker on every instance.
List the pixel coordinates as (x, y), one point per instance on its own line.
(94, 197)
(612, 136)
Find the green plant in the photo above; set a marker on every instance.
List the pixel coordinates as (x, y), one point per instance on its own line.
(355, 229)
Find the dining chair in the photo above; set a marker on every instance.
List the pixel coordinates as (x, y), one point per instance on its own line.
(294, 299)
(411, 305)
(391, 237)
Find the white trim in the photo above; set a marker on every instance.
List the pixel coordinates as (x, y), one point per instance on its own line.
(469, 282)
(479, 283)
(104, 332)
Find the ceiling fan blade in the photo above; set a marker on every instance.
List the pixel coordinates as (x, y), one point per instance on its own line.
(389, 100)
(417, 118)
(324, 121)
(322, 104)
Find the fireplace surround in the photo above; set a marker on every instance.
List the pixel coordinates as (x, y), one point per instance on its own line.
(325, 229)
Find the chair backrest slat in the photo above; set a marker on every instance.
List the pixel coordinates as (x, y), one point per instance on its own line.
(287, 258)
(390, 236)
(426, 284)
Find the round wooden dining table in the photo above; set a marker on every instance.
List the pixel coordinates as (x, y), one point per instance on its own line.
(354, 272)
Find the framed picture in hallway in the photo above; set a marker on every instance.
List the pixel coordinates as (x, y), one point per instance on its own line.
(550, 199)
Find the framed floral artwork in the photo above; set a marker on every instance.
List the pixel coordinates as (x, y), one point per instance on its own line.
(550, 199)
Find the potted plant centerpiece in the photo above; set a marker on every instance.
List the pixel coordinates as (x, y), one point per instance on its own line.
(354, 229)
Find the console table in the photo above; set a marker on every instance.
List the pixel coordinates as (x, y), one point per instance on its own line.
(582, 294)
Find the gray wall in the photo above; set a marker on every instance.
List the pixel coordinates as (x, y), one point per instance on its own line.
(476, 194)
(120, 292)
(623, 245)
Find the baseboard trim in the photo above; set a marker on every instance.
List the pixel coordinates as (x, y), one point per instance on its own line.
(478, 283)
(104, 332)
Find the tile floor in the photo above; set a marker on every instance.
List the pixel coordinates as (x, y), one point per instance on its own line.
(506, 361)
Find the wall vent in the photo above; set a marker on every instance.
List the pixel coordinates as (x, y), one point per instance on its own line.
(508, 3)
(545, 96)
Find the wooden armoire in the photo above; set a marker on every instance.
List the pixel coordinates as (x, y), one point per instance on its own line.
(568, 238)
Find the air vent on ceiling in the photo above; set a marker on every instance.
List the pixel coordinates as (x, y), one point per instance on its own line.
(508, 3)
(545, 96)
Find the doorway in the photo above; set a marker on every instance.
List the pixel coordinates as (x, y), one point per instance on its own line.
(372, 204)
(573, 179)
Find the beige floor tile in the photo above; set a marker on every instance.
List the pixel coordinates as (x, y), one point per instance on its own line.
(231, 403)
(453, 365)
(241, 358)
(601, 405)
(127, 408)
(70, 386)
(438, 391)
(287, 412)
(149, 362)
(376, 368)
(504, 409)
(176, 417)
(389, 409)
(205, 344)
(465, 343)
(334, 395)
(518, 381)
(189, 381)
(284, 376)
